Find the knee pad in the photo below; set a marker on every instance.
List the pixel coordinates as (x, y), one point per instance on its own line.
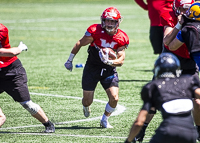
(109, 109)
(31, 107)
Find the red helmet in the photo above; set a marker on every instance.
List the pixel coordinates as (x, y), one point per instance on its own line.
(111, 13)
(181, 3)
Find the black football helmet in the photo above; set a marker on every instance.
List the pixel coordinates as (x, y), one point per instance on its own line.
(167, 65)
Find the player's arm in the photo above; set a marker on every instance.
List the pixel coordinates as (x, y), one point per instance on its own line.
(120, 57)
(2, 118)
(176, 43)
(11, 52)
(137, 125)
(171, 32)
(85, 40)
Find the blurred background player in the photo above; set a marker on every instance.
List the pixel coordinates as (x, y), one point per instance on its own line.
(2, 118)
(169, 19)
(98, 67)
(172, 95)
(155, 8)
(189, 34)
(13, 79)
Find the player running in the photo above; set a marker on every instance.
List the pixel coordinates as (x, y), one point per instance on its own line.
(98, 67)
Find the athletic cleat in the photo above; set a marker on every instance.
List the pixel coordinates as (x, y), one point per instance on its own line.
(86, 111)
(50, 129)
(105, 124)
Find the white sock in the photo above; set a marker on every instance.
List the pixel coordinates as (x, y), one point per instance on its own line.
(104, 117)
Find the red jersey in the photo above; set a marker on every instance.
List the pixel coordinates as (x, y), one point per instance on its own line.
(155, 8)
(4, 43)
(103, 40)
(168, 18)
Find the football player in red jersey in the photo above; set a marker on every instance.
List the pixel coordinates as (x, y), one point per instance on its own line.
(2, 118)
(169, 18)
(98, 67)
(155, 8)
(13, 79)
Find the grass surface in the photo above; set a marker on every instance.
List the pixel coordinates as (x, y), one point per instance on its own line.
(50, 28)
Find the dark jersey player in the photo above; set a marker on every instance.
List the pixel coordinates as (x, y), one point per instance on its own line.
(189, 34)
(169, 19)
(13, 79)
(172, 95)
(98, 67)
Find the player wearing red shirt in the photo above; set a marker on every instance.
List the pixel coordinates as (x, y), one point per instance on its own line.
(155, 8)
(13, 79)
(98, 67)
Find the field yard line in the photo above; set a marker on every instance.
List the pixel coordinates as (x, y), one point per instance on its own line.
(62, 19)
(119, 109)
(84, 136)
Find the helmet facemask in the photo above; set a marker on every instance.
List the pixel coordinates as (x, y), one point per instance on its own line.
(177, 4)
(113, 17)
(167, 65)
(110, 27)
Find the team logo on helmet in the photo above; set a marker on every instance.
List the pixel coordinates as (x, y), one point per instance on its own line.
(194, 11)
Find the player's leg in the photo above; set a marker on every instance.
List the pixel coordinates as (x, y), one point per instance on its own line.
(16, 87)
(2, 118)
(110, 84)
(37, 112)
(156, 38)
(89, 82)
(112, 93)
(87, 101)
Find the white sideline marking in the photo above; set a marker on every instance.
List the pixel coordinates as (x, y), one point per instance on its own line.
(119, 109)
(66, 135)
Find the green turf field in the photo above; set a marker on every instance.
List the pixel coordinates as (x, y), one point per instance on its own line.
(50, 28)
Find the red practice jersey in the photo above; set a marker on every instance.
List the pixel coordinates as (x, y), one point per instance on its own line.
(155, 8)
(168, 18)
(4, 43)
(103, 40)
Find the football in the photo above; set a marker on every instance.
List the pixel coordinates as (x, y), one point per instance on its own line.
(111, 53)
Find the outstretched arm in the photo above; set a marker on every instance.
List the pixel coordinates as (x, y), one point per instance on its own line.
(137, 125)
(85, 40)
(11, 52)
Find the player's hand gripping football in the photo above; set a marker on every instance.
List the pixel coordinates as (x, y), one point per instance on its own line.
(69, 65)
(104, 57)
(22, 46)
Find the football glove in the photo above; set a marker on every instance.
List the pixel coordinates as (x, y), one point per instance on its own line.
(69, 65)
(22, 46)
(104, 58)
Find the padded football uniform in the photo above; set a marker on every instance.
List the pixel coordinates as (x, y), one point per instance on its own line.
(95, 70)
(173, 98)
(188, 65)
(13, 79)
(190, 36)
